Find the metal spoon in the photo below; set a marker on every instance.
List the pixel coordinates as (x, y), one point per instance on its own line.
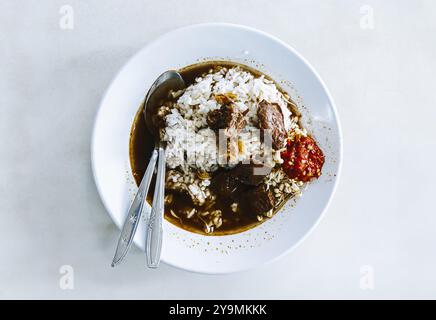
(169, 80)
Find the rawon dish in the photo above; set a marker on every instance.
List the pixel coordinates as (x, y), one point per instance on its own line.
(235, 149)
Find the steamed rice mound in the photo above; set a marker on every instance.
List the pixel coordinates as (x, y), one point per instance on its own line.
(190, 143)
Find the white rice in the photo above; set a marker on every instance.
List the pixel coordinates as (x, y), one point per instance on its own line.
(190, 143)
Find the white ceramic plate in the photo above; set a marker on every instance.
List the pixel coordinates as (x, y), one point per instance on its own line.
(185, 46)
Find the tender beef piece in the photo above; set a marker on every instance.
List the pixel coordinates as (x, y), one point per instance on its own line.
(230, 184)
(257, 200)
(270, 117)
(226, 118)
(251, 174)
(225, 185)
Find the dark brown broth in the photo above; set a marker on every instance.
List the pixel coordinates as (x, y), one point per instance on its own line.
(141, 147)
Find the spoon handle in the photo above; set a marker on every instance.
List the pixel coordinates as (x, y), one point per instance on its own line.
(134, 215)
(153, 243)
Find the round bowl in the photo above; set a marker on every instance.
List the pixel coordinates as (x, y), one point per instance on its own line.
(179, 48)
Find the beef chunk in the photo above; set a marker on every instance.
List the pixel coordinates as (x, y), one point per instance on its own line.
(270, 117)
(257, 200)
(251, 174)
(228, 184)
(225, 185)
(226, 118)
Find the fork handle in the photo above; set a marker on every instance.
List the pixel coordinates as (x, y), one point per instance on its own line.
(153, 245)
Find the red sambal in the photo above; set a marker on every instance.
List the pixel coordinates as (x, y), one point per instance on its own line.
(302, 159)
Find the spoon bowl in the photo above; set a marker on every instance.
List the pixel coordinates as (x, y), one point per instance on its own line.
(169, 81)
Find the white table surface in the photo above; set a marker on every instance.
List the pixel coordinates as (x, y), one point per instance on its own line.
(382, 216)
